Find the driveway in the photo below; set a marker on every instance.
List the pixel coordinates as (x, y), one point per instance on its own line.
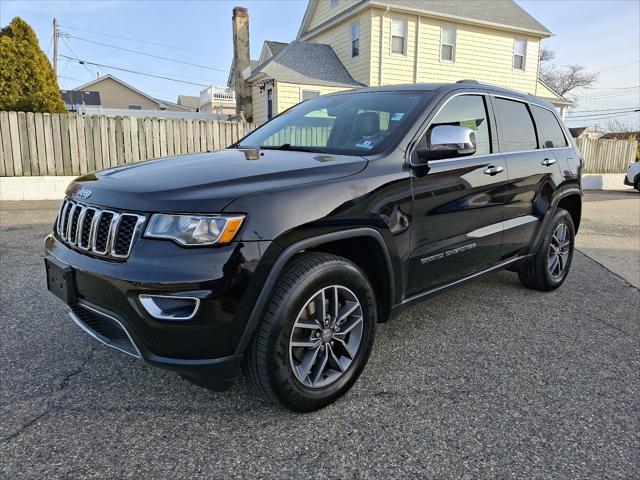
(487, 380)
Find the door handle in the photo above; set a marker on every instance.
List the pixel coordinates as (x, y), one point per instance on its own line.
(548, 162)
(491, 170)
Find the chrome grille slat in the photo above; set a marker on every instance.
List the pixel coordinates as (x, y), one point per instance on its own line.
(103, 236)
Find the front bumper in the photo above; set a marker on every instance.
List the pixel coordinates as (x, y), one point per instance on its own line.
(204, 347)
(627, 182)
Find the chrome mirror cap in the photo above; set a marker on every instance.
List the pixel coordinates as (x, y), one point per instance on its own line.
(447, 141)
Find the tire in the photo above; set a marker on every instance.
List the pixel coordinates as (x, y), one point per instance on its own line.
(539, 272)
(276, 363)
(637, 184)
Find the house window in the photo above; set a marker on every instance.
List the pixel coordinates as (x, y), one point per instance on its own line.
(307, 94)
(334, 3)
(399, 36)
(448, 44)
(519, 53)
(355, 39)
(134, 107)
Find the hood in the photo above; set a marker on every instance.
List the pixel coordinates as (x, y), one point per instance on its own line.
(207, 182)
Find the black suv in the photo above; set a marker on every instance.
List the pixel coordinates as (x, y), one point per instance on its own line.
(281, 253)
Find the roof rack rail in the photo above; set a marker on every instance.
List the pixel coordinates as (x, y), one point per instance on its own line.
(468, 81)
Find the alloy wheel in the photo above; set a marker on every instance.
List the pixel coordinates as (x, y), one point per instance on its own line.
(559, 249)
(326, 336)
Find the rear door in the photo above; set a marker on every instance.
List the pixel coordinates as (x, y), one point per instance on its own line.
(458, 203)
(532, 166)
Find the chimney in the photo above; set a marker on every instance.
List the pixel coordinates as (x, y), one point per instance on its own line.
(242, 61)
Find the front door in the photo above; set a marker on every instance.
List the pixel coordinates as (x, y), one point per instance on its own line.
(458, 204)
(269, 104)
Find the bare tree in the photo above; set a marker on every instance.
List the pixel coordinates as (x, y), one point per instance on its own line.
(564, 79)
(546, 54)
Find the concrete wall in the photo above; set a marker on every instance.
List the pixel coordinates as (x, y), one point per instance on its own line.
(33, 188)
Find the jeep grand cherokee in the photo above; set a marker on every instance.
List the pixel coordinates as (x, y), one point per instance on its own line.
(280, 254)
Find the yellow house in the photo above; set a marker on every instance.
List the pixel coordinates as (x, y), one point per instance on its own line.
(345, 44)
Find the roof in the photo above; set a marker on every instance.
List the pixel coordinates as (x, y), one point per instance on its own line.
(506, 14)
(577, 131)
(188, 101)
(621, 136)
(275, 47)
(306, 63)
(161, 103)
(80, 97)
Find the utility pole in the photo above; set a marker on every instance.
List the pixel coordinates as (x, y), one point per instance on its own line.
(55, 47)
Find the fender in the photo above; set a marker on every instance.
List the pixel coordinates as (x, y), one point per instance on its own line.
(288, 253)
(550, 213)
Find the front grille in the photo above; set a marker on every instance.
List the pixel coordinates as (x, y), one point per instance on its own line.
(96, 231)
(104, 328)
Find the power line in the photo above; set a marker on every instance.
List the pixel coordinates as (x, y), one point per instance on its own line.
(609, 110)
(133, 71)
(74, 53)
(147, 54)
(146, 41)
(627, 112)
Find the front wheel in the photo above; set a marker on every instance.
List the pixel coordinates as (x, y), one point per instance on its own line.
(316, 334)
(549, 267)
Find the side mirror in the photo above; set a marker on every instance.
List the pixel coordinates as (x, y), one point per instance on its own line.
(447, 141)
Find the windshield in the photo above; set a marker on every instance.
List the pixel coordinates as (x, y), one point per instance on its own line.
(361, 123)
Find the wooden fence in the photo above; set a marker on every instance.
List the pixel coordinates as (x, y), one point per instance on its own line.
(607, 156)
(71, 144)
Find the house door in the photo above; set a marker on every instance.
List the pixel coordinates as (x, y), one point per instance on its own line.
(269, 104)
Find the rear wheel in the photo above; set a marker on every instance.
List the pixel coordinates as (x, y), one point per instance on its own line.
(548, 268)
(316, 334)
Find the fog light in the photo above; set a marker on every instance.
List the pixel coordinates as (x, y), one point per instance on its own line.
(166, 307)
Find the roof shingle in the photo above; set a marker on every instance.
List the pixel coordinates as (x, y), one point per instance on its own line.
(307, 63)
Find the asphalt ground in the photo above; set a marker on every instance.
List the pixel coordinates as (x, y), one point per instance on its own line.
(489, 380)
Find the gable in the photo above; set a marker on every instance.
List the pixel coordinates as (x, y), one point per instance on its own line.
(502, 14)
(114, 94)
(320, 11)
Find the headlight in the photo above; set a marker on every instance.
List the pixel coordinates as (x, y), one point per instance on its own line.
(195, 229)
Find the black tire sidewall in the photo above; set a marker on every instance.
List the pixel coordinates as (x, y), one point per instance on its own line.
(561, 216)
(289, 390)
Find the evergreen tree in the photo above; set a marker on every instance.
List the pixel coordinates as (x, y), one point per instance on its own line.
(27, 81)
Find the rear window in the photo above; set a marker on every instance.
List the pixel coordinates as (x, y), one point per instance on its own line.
(549, 130)
(515, 126)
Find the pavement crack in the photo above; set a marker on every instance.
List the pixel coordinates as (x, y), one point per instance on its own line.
(69, 376)
(24, 426)
(63, 384)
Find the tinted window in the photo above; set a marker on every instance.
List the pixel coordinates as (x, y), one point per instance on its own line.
(549, 130)
(466, 111)
(515, 127)
(360, 123)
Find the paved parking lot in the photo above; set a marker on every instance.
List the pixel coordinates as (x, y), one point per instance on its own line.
(488, 380)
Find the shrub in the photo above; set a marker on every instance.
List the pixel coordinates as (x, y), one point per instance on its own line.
(27, 81)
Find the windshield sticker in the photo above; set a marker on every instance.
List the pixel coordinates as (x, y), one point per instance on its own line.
(368, 144)
(397, 117)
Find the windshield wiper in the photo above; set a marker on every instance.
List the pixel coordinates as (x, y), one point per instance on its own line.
(291, 148)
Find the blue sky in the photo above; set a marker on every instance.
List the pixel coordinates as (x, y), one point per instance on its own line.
(602, 35)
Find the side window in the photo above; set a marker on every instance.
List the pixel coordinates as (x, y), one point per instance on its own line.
(448, 44)
(466, 111)
(515, 126)
(550, 133)
(355, 39)
(399, 35)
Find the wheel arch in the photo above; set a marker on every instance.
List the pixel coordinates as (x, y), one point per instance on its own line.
(572, 203)
(337, 243)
